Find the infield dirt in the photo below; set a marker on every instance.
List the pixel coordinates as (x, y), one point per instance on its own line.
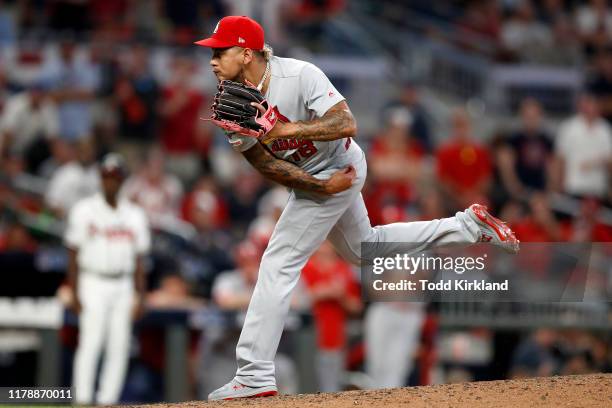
(571, 391)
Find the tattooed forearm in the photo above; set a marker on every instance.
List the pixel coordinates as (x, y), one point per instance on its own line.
(283, 172)
(337, 123)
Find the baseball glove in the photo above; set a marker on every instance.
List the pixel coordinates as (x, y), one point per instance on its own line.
(232, 110)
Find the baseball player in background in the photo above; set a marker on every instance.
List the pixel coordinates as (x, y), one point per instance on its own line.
(106, 239)
(308, 146)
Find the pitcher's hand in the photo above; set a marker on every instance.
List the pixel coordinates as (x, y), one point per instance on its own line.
(340, 180)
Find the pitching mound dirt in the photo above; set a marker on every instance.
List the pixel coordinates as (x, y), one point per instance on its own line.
(571, 391)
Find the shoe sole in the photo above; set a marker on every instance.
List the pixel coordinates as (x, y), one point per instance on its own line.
(503, 232)
(259, 395)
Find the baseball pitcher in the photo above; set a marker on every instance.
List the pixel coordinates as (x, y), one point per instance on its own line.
(294, 127)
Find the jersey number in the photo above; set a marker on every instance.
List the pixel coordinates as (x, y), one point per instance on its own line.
(307, 149)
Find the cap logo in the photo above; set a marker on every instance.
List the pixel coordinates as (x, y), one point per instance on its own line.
(241, 40)
(216, 28)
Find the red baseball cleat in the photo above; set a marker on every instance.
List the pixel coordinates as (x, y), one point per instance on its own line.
(493, 229)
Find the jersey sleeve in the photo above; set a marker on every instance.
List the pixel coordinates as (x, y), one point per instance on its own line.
(76, 230)
(317, 90)
(239, 142)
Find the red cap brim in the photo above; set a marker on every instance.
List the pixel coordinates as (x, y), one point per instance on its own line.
(213, 43)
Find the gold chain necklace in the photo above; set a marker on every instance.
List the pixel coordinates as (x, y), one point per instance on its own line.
(264, 77)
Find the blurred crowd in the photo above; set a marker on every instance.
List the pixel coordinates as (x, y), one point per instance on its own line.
(518, 171)
(552, 352)
(64, 105)
(163, 22)
(551, 32)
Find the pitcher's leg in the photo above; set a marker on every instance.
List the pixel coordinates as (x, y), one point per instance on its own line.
(265, 319)
(302, 228)
(354, 227)
(421, 235)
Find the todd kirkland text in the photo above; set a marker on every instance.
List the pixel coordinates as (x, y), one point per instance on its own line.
(441, 285)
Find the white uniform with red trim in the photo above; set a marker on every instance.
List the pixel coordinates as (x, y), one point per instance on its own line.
(301, 91)
(108, 241)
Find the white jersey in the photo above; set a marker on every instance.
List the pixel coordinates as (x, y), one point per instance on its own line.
(579, 143)
(108, 239)
(301, 91)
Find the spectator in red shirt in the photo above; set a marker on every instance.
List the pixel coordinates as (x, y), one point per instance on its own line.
(335, 295)
(540, 225)
(586, 227)
(463, 165)
(396, 161)
(183, 135)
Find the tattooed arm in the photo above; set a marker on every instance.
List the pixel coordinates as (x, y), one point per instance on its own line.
(337, 123)
(292, 176)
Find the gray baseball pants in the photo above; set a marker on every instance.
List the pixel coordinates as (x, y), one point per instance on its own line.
(305, 223)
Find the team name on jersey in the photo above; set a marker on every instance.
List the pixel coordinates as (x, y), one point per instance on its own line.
(280, 145)
(112, 233)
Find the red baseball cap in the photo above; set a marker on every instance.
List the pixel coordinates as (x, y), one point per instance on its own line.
(235, 31)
